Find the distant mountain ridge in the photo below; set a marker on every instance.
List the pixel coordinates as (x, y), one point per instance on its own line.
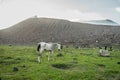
(103, 22)
(33, 30)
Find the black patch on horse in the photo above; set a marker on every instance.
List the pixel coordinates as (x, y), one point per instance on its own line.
(39, 46)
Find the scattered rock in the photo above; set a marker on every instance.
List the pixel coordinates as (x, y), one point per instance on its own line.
(18, 59)
(59, 55)
(118, 62)
(15, 69)
(23, 66)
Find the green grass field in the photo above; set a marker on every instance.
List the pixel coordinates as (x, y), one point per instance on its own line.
(75, 64)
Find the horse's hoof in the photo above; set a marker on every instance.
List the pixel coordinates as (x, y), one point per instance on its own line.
(15, 69)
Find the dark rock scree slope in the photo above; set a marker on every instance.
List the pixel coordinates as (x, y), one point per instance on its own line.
(33, 30)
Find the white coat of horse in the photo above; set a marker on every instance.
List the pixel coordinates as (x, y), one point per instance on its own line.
(50, 47)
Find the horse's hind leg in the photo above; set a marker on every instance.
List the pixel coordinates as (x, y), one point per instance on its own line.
(40, 56)
(52, 56)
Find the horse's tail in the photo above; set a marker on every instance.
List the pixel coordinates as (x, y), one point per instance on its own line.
(39, 46)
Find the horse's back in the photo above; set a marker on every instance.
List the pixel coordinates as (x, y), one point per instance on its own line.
(48, 46)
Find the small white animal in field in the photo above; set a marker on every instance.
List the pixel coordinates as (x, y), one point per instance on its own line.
(50, 47)
(104, 53)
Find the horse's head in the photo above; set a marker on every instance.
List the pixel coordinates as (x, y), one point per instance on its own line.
(59, 47)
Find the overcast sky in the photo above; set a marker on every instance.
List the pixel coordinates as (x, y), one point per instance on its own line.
(14, 11)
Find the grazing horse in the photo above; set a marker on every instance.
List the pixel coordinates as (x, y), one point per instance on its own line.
(50, 47)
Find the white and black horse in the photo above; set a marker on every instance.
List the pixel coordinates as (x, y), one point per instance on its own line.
(50, 47)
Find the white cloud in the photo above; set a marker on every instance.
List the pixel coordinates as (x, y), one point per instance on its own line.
(76, 15)
(14, 11)
(117, 9)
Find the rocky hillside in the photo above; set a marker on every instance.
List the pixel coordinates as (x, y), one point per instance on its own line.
(34, 30)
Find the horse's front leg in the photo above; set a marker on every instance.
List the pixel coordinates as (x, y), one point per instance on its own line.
(48, 56)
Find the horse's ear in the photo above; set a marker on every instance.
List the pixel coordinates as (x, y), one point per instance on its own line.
(38, 47)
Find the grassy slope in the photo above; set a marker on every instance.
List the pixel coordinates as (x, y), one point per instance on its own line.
(79, 64)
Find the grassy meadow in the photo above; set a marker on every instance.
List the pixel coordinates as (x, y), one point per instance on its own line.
(73, 64)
